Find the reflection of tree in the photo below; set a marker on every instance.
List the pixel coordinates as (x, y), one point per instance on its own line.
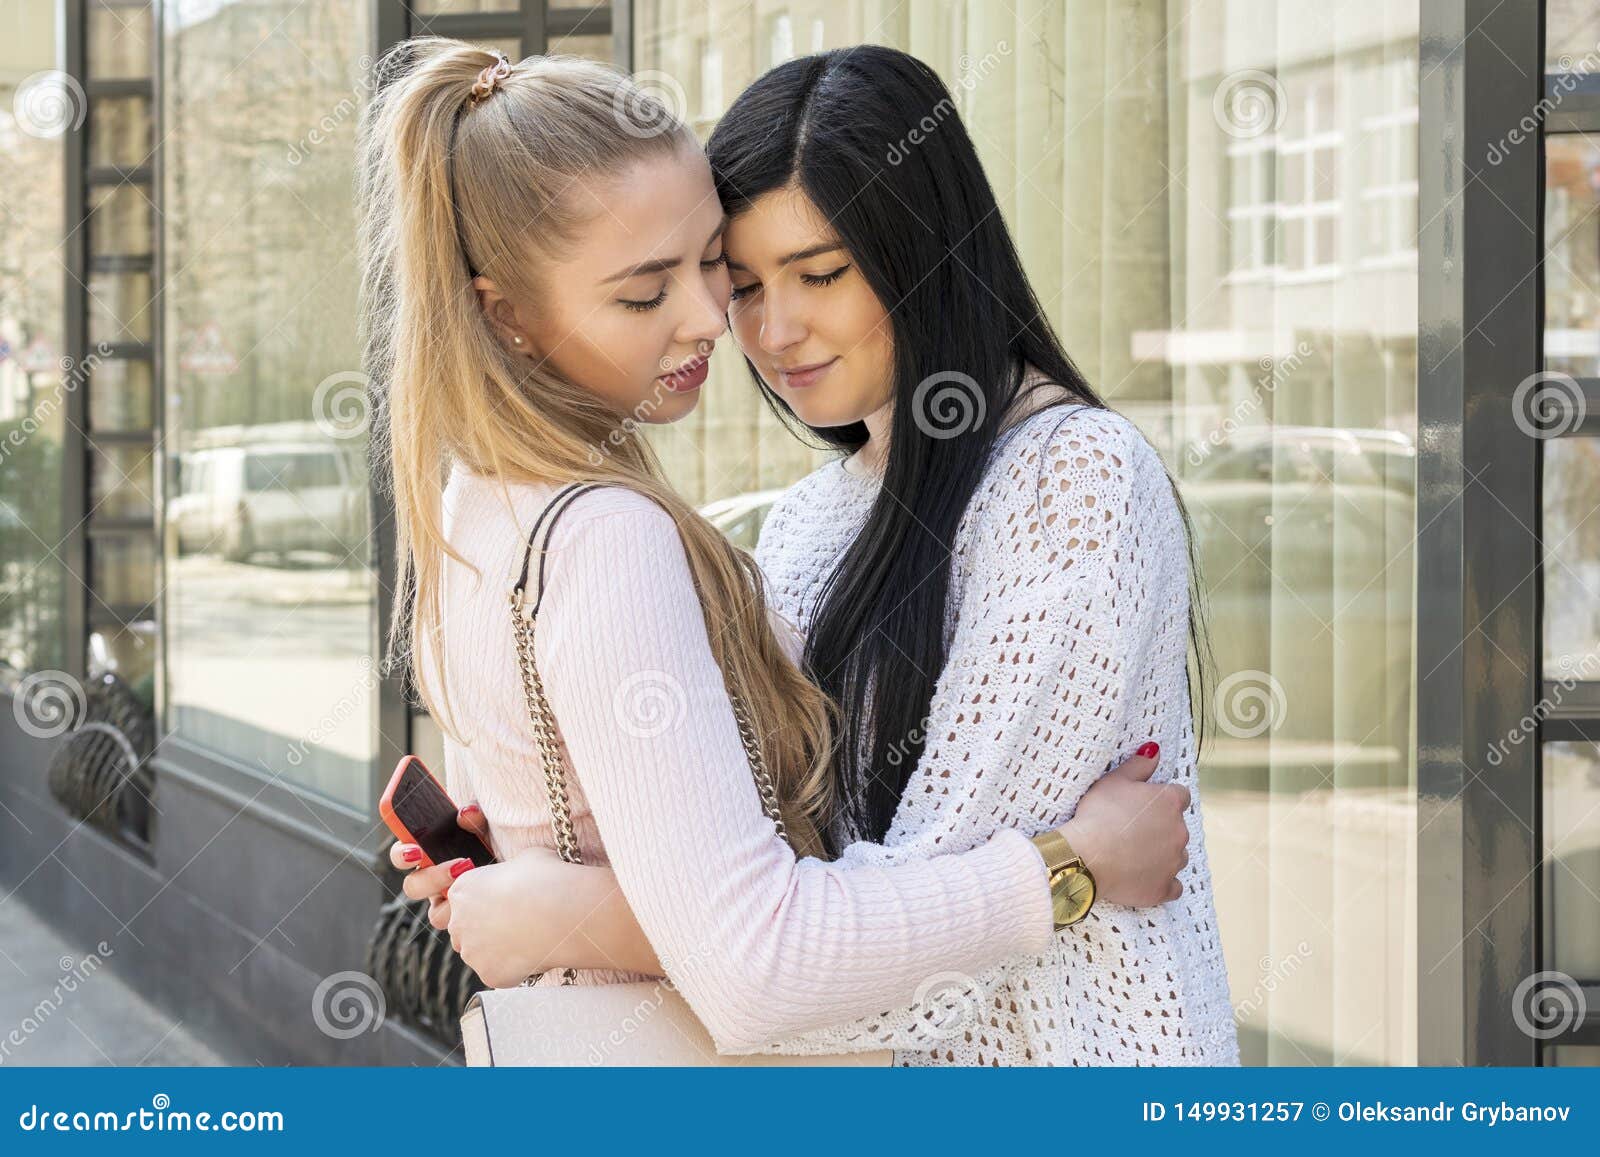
(31, 307)
(1571, 499)
(31, 593)
(259, 220)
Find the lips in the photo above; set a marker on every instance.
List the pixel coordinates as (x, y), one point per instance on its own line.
(689, 376)
(799, 377)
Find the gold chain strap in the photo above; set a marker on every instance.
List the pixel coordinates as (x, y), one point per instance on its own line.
(555, 779)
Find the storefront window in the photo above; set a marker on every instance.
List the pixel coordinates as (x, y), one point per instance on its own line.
(38, 106)
(271, 595)
(1219, 213)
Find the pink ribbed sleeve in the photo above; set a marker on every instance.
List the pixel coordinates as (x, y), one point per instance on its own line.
(761, 945)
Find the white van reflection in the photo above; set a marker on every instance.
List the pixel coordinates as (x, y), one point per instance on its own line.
(278, 498)
(741, 516)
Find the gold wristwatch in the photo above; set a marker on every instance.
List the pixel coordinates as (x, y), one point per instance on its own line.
(1071, 882)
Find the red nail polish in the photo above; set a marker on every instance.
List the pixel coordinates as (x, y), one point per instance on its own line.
(459, 867)
(470, 809)
(411, 855)
(1150, 750)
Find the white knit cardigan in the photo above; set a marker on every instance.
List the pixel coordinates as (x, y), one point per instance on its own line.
(1067, 633)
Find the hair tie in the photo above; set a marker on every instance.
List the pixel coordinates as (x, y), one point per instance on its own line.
(489, 79)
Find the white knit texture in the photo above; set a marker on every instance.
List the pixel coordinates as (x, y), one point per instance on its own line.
(1067, 634)
(761, 946)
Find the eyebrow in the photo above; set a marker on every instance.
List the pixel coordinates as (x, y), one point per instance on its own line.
(801, 255)
(661, 264)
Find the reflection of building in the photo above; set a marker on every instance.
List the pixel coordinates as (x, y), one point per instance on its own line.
(1227, 208)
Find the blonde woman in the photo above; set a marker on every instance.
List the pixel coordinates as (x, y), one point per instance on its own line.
(545, 268)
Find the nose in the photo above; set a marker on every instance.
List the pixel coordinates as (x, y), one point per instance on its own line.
(781, 327)
(707, 317)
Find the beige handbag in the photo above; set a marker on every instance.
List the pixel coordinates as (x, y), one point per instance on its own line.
(638, 1023)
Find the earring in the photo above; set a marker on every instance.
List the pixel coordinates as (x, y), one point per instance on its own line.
(518, 340)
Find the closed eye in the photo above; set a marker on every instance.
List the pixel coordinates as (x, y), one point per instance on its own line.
(716, 262)
(645, 306)
(823, 278)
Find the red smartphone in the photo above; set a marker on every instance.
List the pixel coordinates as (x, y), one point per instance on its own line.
(419, 811)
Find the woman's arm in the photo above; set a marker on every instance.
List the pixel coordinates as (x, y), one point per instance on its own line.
(762, 946)
(537, 912)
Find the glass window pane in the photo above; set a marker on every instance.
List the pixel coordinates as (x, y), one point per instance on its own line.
(119, 307)
(1572, 850)
(130, 651)
(119, 39)
(32, 381)
(121, 482)
(119, 131)
(271, 596)
(122, 570)
(1572, 274)
(1572, 558)
(120, 395)
(120, 218)
(456, 7)
(1572, 36)
(593, 47)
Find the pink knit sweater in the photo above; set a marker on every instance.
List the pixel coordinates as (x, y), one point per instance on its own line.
(761, 945)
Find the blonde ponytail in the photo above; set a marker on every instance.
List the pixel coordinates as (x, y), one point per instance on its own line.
(447, 187)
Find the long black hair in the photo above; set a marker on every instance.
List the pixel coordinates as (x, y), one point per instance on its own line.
(871, 135)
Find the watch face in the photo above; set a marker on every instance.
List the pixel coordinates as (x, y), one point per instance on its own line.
(1071, 892)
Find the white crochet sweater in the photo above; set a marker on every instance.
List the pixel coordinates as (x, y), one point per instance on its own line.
(1067, 642)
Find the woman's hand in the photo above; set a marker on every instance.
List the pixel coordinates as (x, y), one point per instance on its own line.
(1132, 834)
(433, 884)
(535, 912)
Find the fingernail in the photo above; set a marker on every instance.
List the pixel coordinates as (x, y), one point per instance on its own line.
(470, 809)
(1150, 750)
(459, 867)
(411, 855)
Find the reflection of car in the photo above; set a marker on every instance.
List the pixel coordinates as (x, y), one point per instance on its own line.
(1307, 454)
(276, 497)
(1276, 488)
(741, 516)
(1304, 536)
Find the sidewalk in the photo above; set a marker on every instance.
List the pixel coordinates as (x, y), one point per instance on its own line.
(59, 1005)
